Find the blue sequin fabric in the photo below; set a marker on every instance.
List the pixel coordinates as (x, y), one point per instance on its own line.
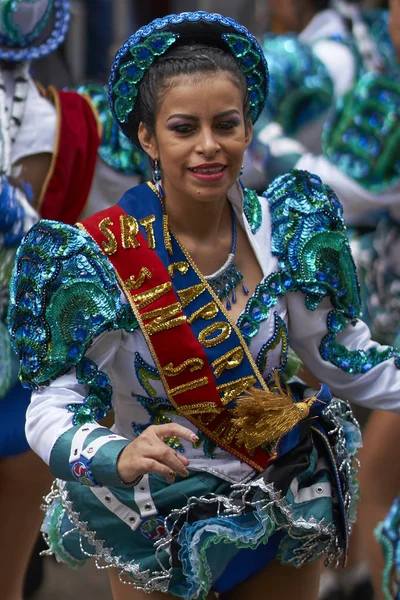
(16, 46)
(252, 209)
(63, 294)
(362, 138)
(309, 238)
(139, 52)
(300, 90)
(116, 150)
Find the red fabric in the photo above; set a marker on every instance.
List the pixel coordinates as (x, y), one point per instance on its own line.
(74, 161)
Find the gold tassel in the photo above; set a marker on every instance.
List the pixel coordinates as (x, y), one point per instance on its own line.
(263, 417)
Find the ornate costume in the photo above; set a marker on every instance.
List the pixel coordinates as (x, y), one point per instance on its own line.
(76, 128)
(113, 313)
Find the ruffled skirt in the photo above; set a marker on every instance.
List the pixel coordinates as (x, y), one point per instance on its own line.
(202, 532)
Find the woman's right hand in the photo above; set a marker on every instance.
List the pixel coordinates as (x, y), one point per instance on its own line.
(148, 453)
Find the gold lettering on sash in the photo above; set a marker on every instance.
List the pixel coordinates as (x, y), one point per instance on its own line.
(201, 408)
(147, 222)
(225, 331)
(129, 231)
(191, 293)
(193, 363)
(208, 312)
(111, 246)
(182, 267)
(167, 235)
(229, 360)
(187, 387)
(143, 299)
(233, 389)
(164, 318)
(134, 284)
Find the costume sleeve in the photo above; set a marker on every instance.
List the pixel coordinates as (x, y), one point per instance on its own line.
(360, 205)
(308, 236)
(340, 352)
(65, 322)
(62, 419)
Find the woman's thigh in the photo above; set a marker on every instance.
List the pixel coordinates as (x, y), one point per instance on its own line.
(122, 591)
(277, 581)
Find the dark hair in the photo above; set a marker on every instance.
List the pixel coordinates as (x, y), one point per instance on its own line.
(188, 59)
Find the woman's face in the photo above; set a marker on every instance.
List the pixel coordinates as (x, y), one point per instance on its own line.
(200, 136)
(394, 25)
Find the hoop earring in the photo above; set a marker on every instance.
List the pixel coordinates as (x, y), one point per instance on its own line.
(156, 171)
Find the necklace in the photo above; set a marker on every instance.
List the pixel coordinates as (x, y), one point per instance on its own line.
(225, 281)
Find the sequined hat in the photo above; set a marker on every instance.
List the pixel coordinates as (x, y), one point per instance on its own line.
(139, 52)
(31, 29)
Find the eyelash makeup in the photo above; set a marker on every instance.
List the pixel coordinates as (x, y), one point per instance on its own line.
(185, 128)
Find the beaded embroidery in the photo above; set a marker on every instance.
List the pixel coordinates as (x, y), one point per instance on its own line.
(351, 361)
(132, 72)
(225, 281)
(279, 337)
(63, 293)
(308, 236)
(97, 403)
(362, 136)
(252, 209)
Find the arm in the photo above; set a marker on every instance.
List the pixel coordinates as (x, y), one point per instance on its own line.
(66, 322)
(62, 419)
(341, 353)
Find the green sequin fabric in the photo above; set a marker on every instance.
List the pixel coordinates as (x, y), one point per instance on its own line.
(115, 149)
(97, 403)
(252, 209)
(300, 90)
(309, 238)
(132, 72)
(363, 137)
(64, 293)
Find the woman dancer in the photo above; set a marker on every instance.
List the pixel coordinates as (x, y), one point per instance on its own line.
(210, 480)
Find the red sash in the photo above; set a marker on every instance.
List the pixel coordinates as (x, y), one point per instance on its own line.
(179, 357)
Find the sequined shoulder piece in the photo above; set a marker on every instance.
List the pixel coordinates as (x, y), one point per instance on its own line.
(63, 293)
(115, 148)
(301, 89)
(309, 238)
(252, 209)
(362, 137)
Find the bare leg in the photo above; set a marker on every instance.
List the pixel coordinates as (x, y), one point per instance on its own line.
(24, 480)
(277, 582)
(121, 591)
(379, 482)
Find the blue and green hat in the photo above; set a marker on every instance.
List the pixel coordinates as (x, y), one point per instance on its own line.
(31, 29)
(141, 50)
